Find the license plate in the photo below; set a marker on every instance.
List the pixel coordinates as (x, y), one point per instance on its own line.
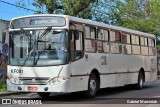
(31, 88)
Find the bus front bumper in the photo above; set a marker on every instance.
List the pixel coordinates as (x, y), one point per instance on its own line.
(61, 87)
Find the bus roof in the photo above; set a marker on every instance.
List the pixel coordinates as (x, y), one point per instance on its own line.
(103, 25)
(94, 23)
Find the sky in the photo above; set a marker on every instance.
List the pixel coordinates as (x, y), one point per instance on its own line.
(7, 12)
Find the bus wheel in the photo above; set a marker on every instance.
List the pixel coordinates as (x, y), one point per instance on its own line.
(140, 83)
(43, 94)
(92, 86)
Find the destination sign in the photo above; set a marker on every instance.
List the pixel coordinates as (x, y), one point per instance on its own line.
(38, 22)
(43, 21)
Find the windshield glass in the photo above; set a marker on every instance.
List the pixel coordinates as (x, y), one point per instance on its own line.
(38, 47)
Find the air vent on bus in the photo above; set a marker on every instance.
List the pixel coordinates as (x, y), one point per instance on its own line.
(34, 80)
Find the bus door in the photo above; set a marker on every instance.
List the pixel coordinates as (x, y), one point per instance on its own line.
(76, 48)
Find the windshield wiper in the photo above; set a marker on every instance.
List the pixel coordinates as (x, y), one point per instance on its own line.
(35, 62)
(45, 33)
(39, 38)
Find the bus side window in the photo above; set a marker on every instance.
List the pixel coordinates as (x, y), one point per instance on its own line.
(151, 44)
(115, 38)
(102, 41)
(90, 39)
(76, 46)
(79, 47)
(126, 43)
(136, 50)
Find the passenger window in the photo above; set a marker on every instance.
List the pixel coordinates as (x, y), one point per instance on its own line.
(151, 42)
(101, 34)
(135, 40)
(76, 46)
(126, 38)
(87, 32)
(102, 42)
(144, 50)
(90, 39)
(90, 32)
(93, 33)
(106, 35)
(136, 49)
(115, 36)
(90, 45)
(126, 49)
(146, 41)
(142, 41)
(79, 46)
(116, 48)
(152, 49)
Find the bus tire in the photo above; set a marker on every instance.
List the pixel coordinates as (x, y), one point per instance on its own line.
(92, 86)
(43, 94)
(140, 83)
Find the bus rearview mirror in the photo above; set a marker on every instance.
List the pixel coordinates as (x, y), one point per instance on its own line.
(76, 34)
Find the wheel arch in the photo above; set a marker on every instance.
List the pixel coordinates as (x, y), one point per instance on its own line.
(143, 73)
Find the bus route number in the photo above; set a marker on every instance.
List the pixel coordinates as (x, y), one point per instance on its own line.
(104, 60)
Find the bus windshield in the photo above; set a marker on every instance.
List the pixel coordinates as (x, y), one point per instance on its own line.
(38, 47)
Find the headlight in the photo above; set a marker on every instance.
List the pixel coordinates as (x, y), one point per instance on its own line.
(11, 80)
(57, 80)
(15, 81)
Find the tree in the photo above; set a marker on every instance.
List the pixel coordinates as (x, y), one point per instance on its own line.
(140, 15)
(68, 7)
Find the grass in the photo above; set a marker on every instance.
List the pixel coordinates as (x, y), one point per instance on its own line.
(3, 87)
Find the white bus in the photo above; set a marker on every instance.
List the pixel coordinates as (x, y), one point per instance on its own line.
(60, 53)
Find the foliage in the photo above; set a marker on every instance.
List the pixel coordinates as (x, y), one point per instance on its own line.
(3, 86)
(143, 15)
(140, 15)
(69, 7)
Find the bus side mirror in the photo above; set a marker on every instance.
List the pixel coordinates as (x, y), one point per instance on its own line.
(70, 34)
(3, 37)
(76, 34)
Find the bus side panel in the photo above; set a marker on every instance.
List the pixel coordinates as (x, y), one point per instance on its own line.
(122, 66)
(115, 72)
(79, 83)
(153, 68)
(80, 70)
(108, 80)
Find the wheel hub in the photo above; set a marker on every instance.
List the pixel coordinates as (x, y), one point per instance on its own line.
(93, 86)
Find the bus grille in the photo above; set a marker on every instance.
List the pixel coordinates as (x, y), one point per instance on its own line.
(34, 80)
